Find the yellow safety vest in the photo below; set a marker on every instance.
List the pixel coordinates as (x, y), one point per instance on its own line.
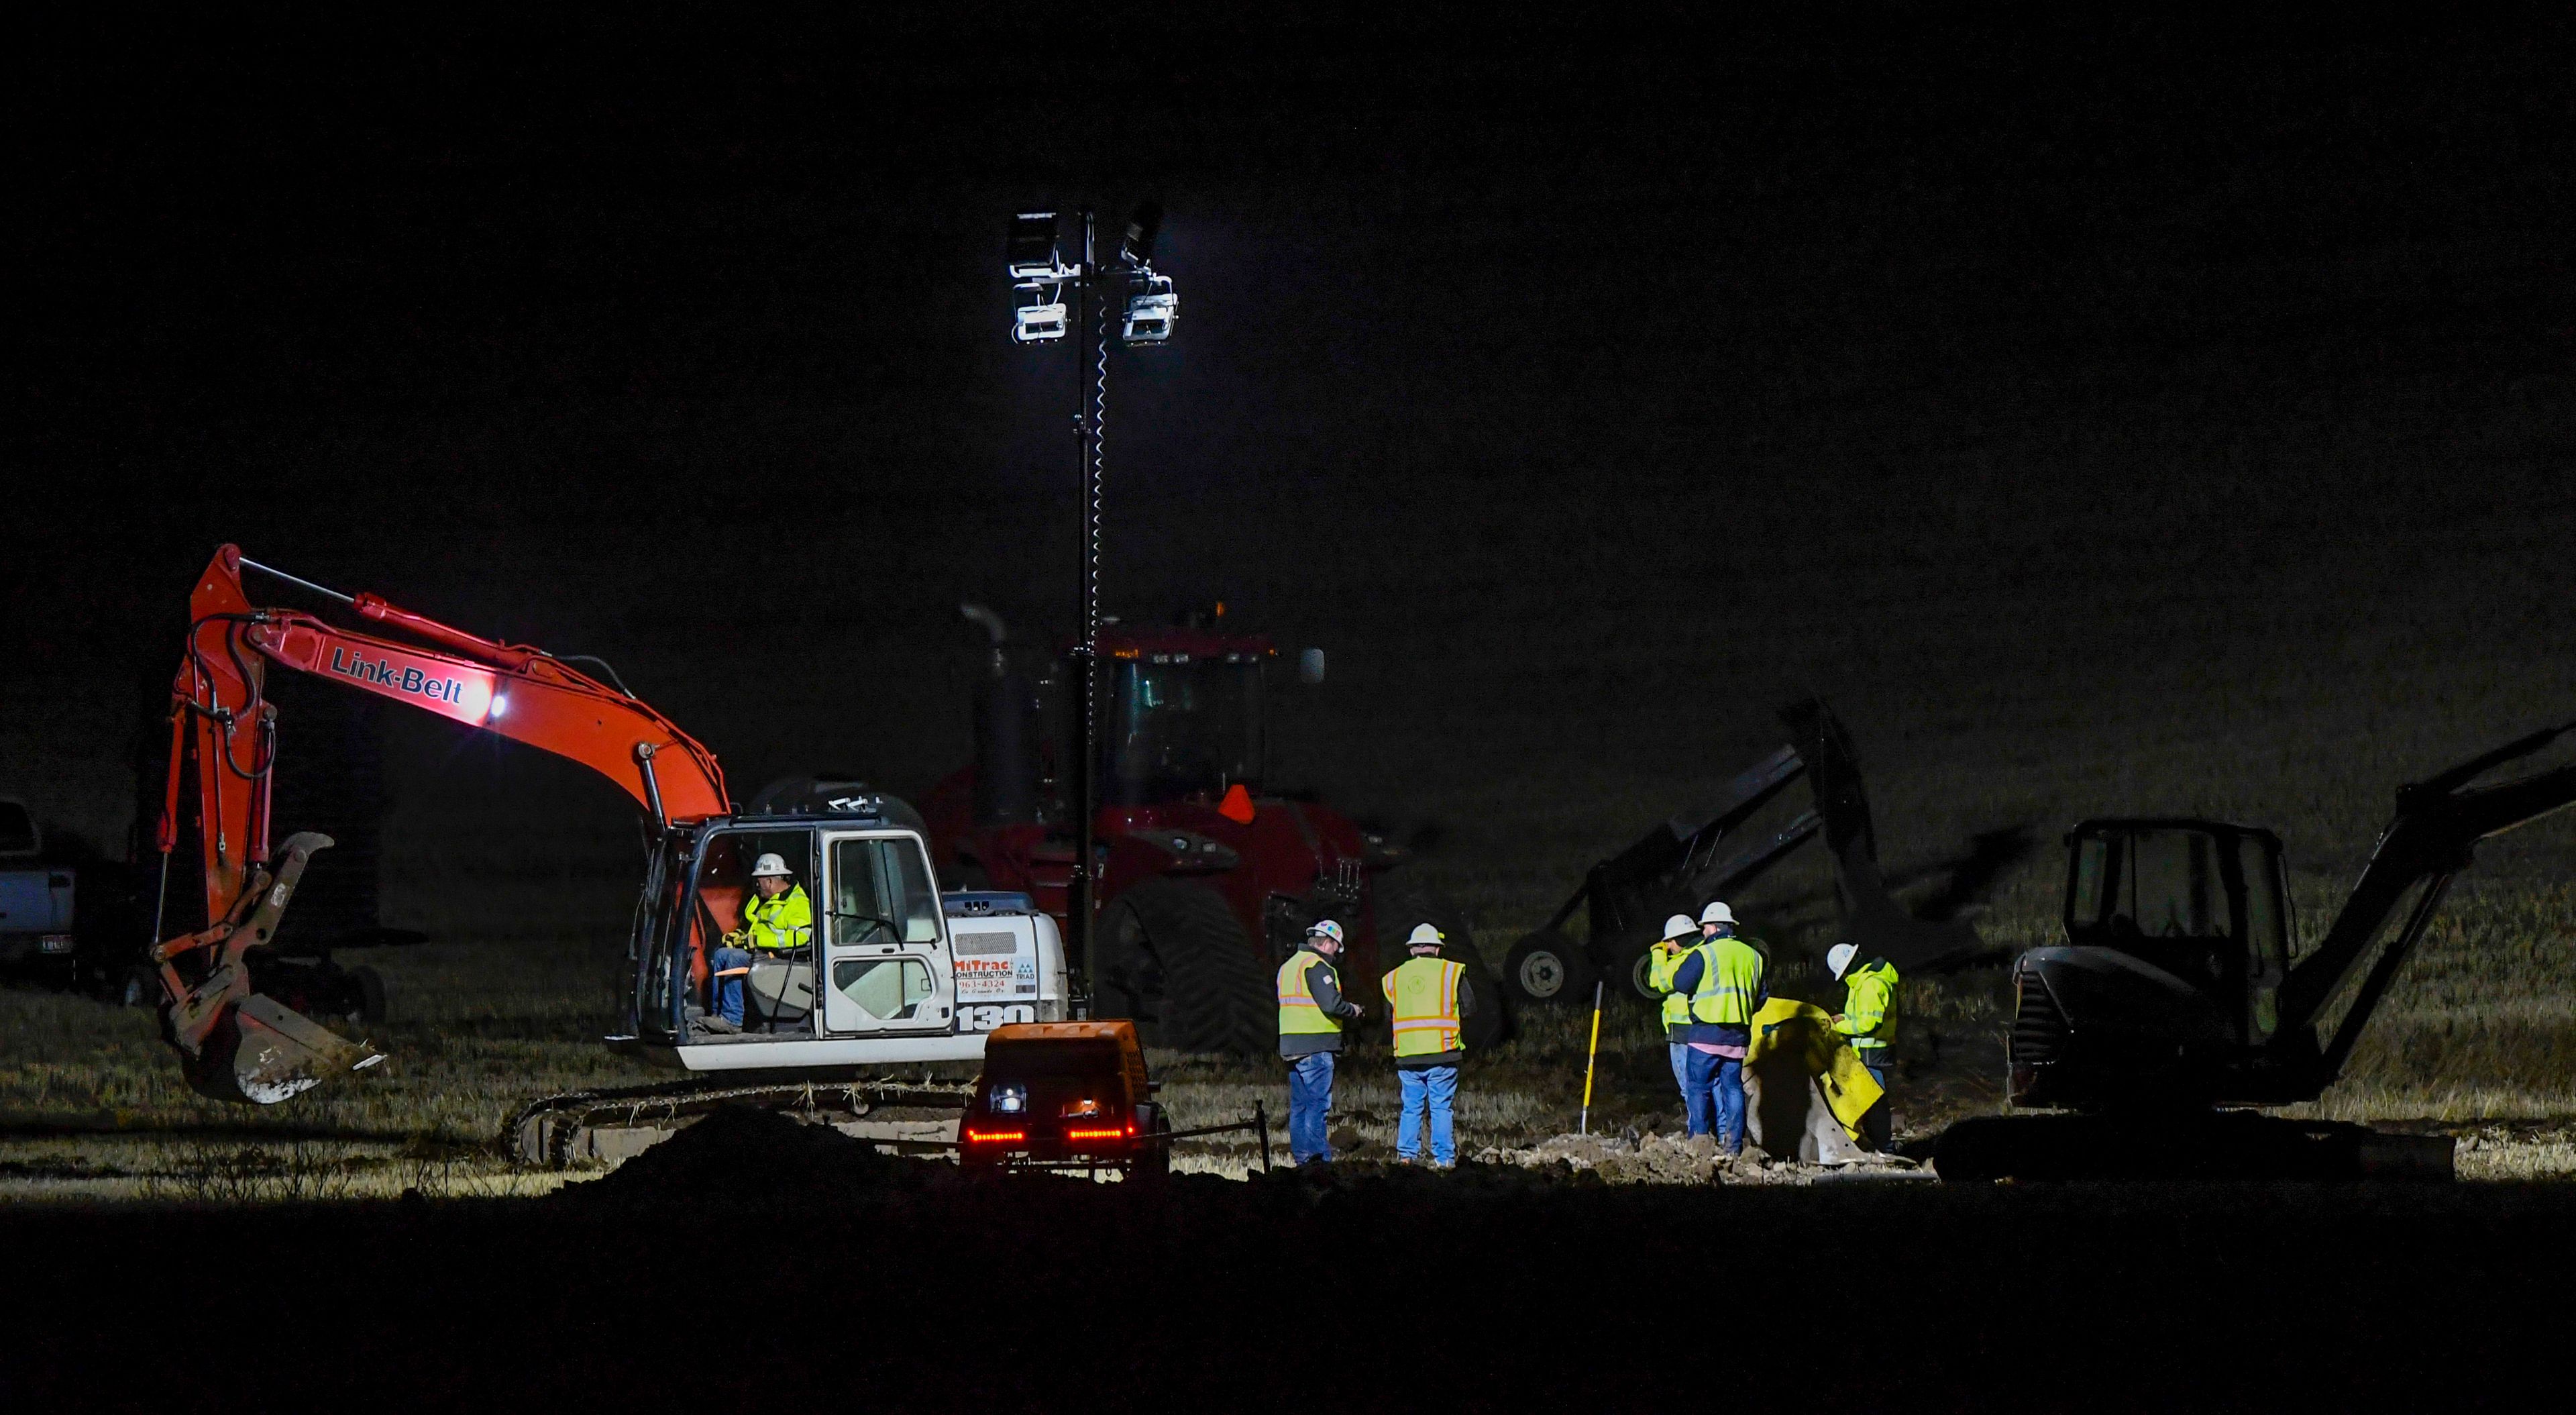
(1869, 1006)
(1730, 977)
(1662, 961)
(784, 922)
(1299, 1013)
(1423, 993)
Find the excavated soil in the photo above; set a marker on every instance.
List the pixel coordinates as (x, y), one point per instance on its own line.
(754, 1262)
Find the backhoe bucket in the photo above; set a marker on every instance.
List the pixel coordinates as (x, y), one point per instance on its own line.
(266, 1052)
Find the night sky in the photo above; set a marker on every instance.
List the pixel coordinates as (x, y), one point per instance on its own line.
(1586, 391)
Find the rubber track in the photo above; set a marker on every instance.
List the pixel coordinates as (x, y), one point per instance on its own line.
(1215, 996)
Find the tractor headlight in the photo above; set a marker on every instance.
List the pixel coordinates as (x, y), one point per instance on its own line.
(1010, 1100)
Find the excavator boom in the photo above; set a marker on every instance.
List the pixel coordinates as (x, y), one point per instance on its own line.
(239, 1045)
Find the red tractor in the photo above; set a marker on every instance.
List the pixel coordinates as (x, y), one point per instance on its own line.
(1207, 877)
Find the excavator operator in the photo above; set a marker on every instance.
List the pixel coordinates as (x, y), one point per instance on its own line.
(778, 917)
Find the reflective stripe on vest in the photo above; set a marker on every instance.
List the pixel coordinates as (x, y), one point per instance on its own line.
(1730, 977)
(1869, 1007)
(1424, 995)
(1661, 963)
(784, 922)
(1299, 1013)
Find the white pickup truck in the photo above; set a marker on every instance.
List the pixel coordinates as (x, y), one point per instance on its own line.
(35, 899)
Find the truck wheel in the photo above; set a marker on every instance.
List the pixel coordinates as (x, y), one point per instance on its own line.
(370, 991)
(1173, 958)
(1402, 904)
(1633, 973)
(1153, 1163)
(1547, 967)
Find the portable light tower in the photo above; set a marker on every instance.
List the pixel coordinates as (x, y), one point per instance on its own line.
(1041, 279)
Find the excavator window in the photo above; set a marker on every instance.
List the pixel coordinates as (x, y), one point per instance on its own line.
(2267, 928)
(881, 894)
(2172, 894)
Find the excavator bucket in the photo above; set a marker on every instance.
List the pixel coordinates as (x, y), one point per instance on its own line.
(264, 1052)
(240, 1045)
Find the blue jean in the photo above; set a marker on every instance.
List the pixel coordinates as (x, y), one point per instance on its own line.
(1713, 1094)
(1681, 1069)
(725, 994)
(1310, 1104)
(1431, 1087)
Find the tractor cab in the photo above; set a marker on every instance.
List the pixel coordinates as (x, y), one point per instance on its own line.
(1182, 714)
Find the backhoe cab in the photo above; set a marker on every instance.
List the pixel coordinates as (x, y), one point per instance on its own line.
(2176, 987)
(2177, 939)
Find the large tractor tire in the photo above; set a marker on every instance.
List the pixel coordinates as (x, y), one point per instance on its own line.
(1173, 958)
(1400, 904)
(1549, 969)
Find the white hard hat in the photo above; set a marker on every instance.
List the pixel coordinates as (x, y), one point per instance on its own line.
(1423, 936)
(769, 866)
(1839, 957)
(1717, 913)
(1325, 928)
(1680, 926)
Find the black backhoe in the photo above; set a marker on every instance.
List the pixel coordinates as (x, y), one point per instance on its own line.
(2174, 1004)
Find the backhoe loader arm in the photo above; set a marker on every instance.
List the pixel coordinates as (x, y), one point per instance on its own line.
(237, 1045)
(2437, 827)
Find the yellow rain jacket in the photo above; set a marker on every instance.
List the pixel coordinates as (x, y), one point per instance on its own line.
(1808, 1032)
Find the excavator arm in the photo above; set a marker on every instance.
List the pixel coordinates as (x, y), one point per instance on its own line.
(2437, 827)
(235, 1043)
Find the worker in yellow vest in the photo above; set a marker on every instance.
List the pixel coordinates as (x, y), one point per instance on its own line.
(1429, 1008)
(776, 918)
(1312, 1010)
(1869, 1019)
(1663, 957)
(1723, 977)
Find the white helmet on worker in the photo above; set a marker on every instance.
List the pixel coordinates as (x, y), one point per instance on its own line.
(1680, 926)
(769, 867)
(1326, 928)
(1839, 957)
(1424, 936)
(1717, 913)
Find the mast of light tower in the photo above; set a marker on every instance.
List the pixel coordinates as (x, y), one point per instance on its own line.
(1040, 282)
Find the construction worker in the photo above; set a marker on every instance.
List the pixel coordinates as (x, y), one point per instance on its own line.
(1869, 1019)
(777, 917)
(1723, 977)
(1663, 956)
(1427, 1007)
(1311, 1013)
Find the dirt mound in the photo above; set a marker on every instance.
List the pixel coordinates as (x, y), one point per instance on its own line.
(739, 1153)
(1671, 1159)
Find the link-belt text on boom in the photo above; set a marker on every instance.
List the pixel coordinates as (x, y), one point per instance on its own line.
(407, 680)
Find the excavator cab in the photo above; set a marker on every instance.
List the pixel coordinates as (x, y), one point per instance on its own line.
(2203, 902)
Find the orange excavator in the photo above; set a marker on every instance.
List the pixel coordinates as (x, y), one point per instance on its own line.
(891, 973)
(237, 1041)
